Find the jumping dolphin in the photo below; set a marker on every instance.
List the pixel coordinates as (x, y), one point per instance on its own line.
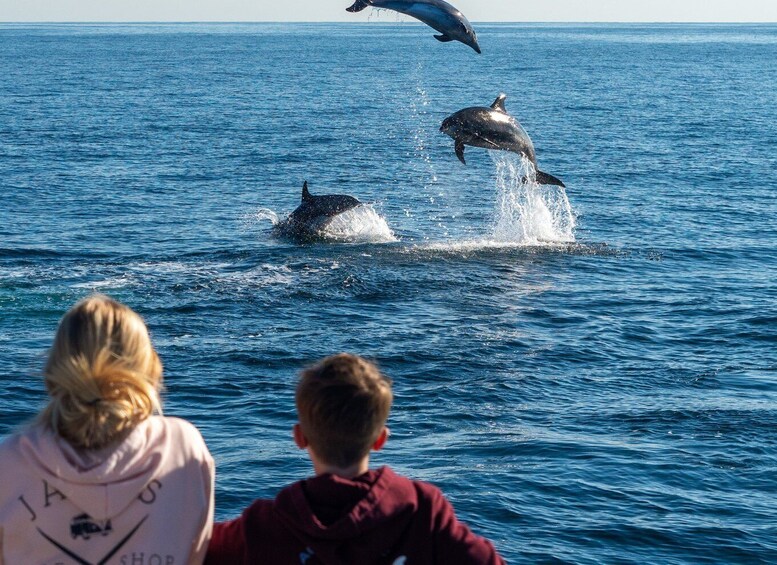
(437, 14)
(492, 128)
(314, 213)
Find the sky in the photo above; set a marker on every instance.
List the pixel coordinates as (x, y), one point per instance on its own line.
(334, 10)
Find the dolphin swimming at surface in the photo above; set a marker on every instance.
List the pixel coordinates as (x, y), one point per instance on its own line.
(437, 14)
(493, 128)
(314, 213)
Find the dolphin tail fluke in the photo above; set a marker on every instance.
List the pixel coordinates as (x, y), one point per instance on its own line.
(460, 151)
(305, 191)
(545, 178)
(359, 5)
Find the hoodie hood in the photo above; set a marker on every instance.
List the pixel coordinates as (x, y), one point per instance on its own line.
(324, 511)
(102, 483)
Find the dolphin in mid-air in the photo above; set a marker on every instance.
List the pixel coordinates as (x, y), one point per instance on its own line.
(437, 14)
(493, 128)
(314, 213)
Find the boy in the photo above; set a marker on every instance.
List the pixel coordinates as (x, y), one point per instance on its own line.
(347, 513)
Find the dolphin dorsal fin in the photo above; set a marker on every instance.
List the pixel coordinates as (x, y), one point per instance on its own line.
(305, 191)
(499, 103)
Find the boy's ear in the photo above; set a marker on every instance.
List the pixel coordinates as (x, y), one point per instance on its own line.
(382, 439)
(299, 437)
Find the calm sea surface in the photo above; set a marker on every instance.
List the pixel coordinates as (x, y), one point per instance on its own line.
(589, 375)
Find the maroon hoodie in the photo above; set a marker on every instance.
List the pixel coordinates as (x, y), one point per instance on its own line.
(377, 518)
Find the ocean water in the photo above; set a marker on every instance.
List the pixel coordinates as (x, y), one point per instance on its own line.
(589, 374)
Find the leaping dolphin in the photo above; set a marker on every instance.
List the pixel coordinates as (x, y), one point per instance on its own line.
(314, 213)
(437, 14)
(493, 128)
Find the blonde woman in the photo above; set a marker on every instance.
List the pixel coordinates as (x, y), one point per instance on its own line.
(99, 478)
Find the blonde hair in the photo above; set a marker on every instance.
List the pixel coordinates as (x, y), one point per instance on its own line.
(343, 402)
(102, 374)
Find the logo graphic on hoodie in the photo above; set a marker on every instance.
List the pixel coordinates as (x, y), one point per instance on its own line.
(77, 558)
(83, 526)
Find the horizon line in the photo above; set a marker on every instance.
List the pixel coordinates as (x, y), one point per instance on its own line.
(187, 22)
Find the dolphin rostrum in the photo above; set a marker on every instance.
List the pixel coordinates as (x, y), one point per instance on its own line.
(493, 128)
(314, 213)
(437, 14)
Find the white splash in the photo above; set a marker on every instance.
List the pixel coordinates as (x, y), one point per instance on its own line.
(261, 215)
(424, 169)
(362, 224)
(114, 283)
(526, 212)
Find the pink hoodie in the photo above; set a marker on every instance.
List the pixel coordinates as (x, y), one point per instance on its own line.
(148, 501)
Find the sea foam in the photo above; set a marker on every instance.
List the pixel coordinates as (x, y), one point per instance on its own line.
(526, 212)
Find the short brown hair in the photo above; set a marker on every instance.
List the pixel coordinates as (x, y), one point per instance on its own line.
(343, 402)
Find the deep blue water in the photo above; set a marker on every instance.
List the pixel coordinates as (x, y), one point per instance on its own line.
(598, 393)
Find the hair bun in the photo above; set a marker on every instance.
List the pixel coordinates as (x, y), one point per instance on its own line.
(102, 373)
